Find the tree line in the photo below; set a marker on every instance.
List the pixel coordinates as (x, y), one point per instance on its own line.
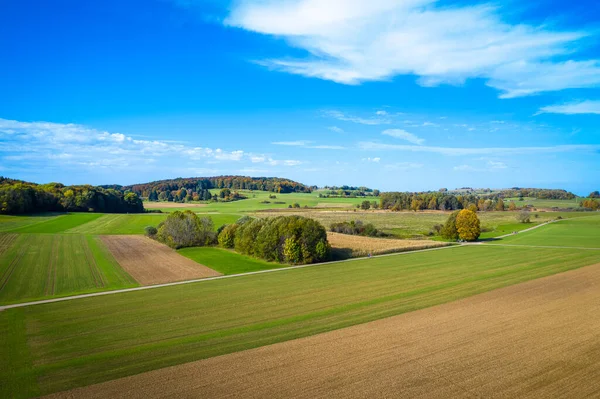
(200, 185)
(20, 197)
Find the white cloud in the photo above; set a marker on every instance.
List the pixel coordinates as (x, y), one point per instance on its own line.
(374, 160)
(297, 143)
(336, 129)
(381, 113)
(582, 107)
(404, 135)
(41, 144)
(353, 41)
(458, 151)
(489, 167)
(308, 144)
(363, 121)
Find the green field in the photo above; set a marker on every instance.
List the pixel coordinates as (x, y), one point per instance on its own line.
(38, 266)
(255, 199)
(8, 222)
(58, 224)
(545, 203)
(581, 232)
(53, 347)
(225, 261)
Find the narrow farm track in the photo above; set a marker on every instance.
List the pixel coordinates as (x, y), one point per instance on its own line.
(148, 287)
(537, 339)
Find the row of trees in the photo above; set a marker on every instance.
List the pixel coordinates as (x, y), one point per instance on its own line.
(398, 201)
(19, 197)
(199, 184)
(284, 239)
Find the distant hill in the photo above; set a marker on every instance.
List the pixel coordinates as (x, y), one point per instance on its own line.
(200, 184)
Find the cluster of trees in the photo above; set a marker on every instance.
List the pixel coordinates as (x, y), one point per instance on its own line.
(348, 192)
(199, 184)
(539, 193)
(284, 239)
(463, 225)
(184, 229)
(594, 194)
(366, 205)
(591, 204)
(357, 228)
(397, 201)
(19, 197)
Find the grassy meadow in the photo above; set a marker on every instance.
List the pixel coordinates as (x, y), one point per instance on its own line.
(53, 347)
(583, 232)
(227, 262)
(39, 266)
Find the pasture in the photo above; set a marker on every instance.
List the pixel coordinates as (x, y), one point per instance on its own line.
(37, 266)
(259, 200)
(9, 222)
(227, 262)
(58, 224)
(583, 232)
(53, 347)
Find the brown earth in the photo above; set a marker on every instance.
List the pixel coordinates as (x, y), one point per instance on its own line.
(150, 262)
(362, 246)
(536, 339)
(151, 205)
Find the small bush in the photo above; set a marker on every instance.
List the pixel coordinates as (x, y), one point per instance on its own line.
(524, 217)
(150, 231)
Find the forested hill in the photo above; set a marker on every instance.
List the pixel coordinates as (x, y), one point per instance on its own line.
(198, 184)
(19, 197)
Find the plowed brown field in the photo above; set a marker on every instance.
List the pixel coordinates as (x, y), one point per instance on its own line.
(536, 339)
(150, 262)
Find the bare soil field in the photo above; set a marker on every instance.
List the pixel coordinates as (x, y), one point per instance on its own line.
(150, 262)
(173, 205)
(536, 339)
(355, 246)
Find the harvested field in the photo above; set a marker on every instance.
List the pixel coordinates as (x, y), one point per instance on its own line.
(345, 245)
(333, 205)
(535, 339)
(151, 262)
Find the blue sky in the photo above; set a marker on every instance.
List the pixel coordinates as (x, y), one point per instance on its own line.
(396, 95)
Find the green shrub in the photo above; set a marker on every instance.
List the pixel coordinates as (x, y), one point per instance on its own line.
(186, 229)
(150, 231)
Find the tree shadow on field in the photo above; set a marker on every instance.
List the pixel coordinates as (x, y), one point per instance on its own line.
(341, 253)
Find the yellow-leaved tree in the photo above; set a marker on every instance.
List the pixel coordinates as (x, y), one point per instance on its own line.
(468, 225)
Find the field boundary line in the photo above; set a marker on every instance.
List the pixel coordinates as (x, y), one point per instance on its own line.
(537, 246)
(200, 280)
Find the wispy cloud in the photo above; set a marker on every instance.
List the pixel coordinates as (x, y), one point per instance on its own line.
(69, 145)
(351, 42)
(459, 151)
(372, 121)
(574, 108)
(490, 166)
(309, 144)
(404, 135)
(336, 129)
(374, 160)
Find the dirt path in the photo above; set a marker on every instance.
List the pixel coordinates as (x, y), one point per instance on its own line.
(536, 339)
(150, 262)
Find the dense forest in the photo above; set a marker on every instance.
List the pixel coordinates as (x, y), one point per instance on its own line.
(539, 193)
(20, 197)
(197, 187)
